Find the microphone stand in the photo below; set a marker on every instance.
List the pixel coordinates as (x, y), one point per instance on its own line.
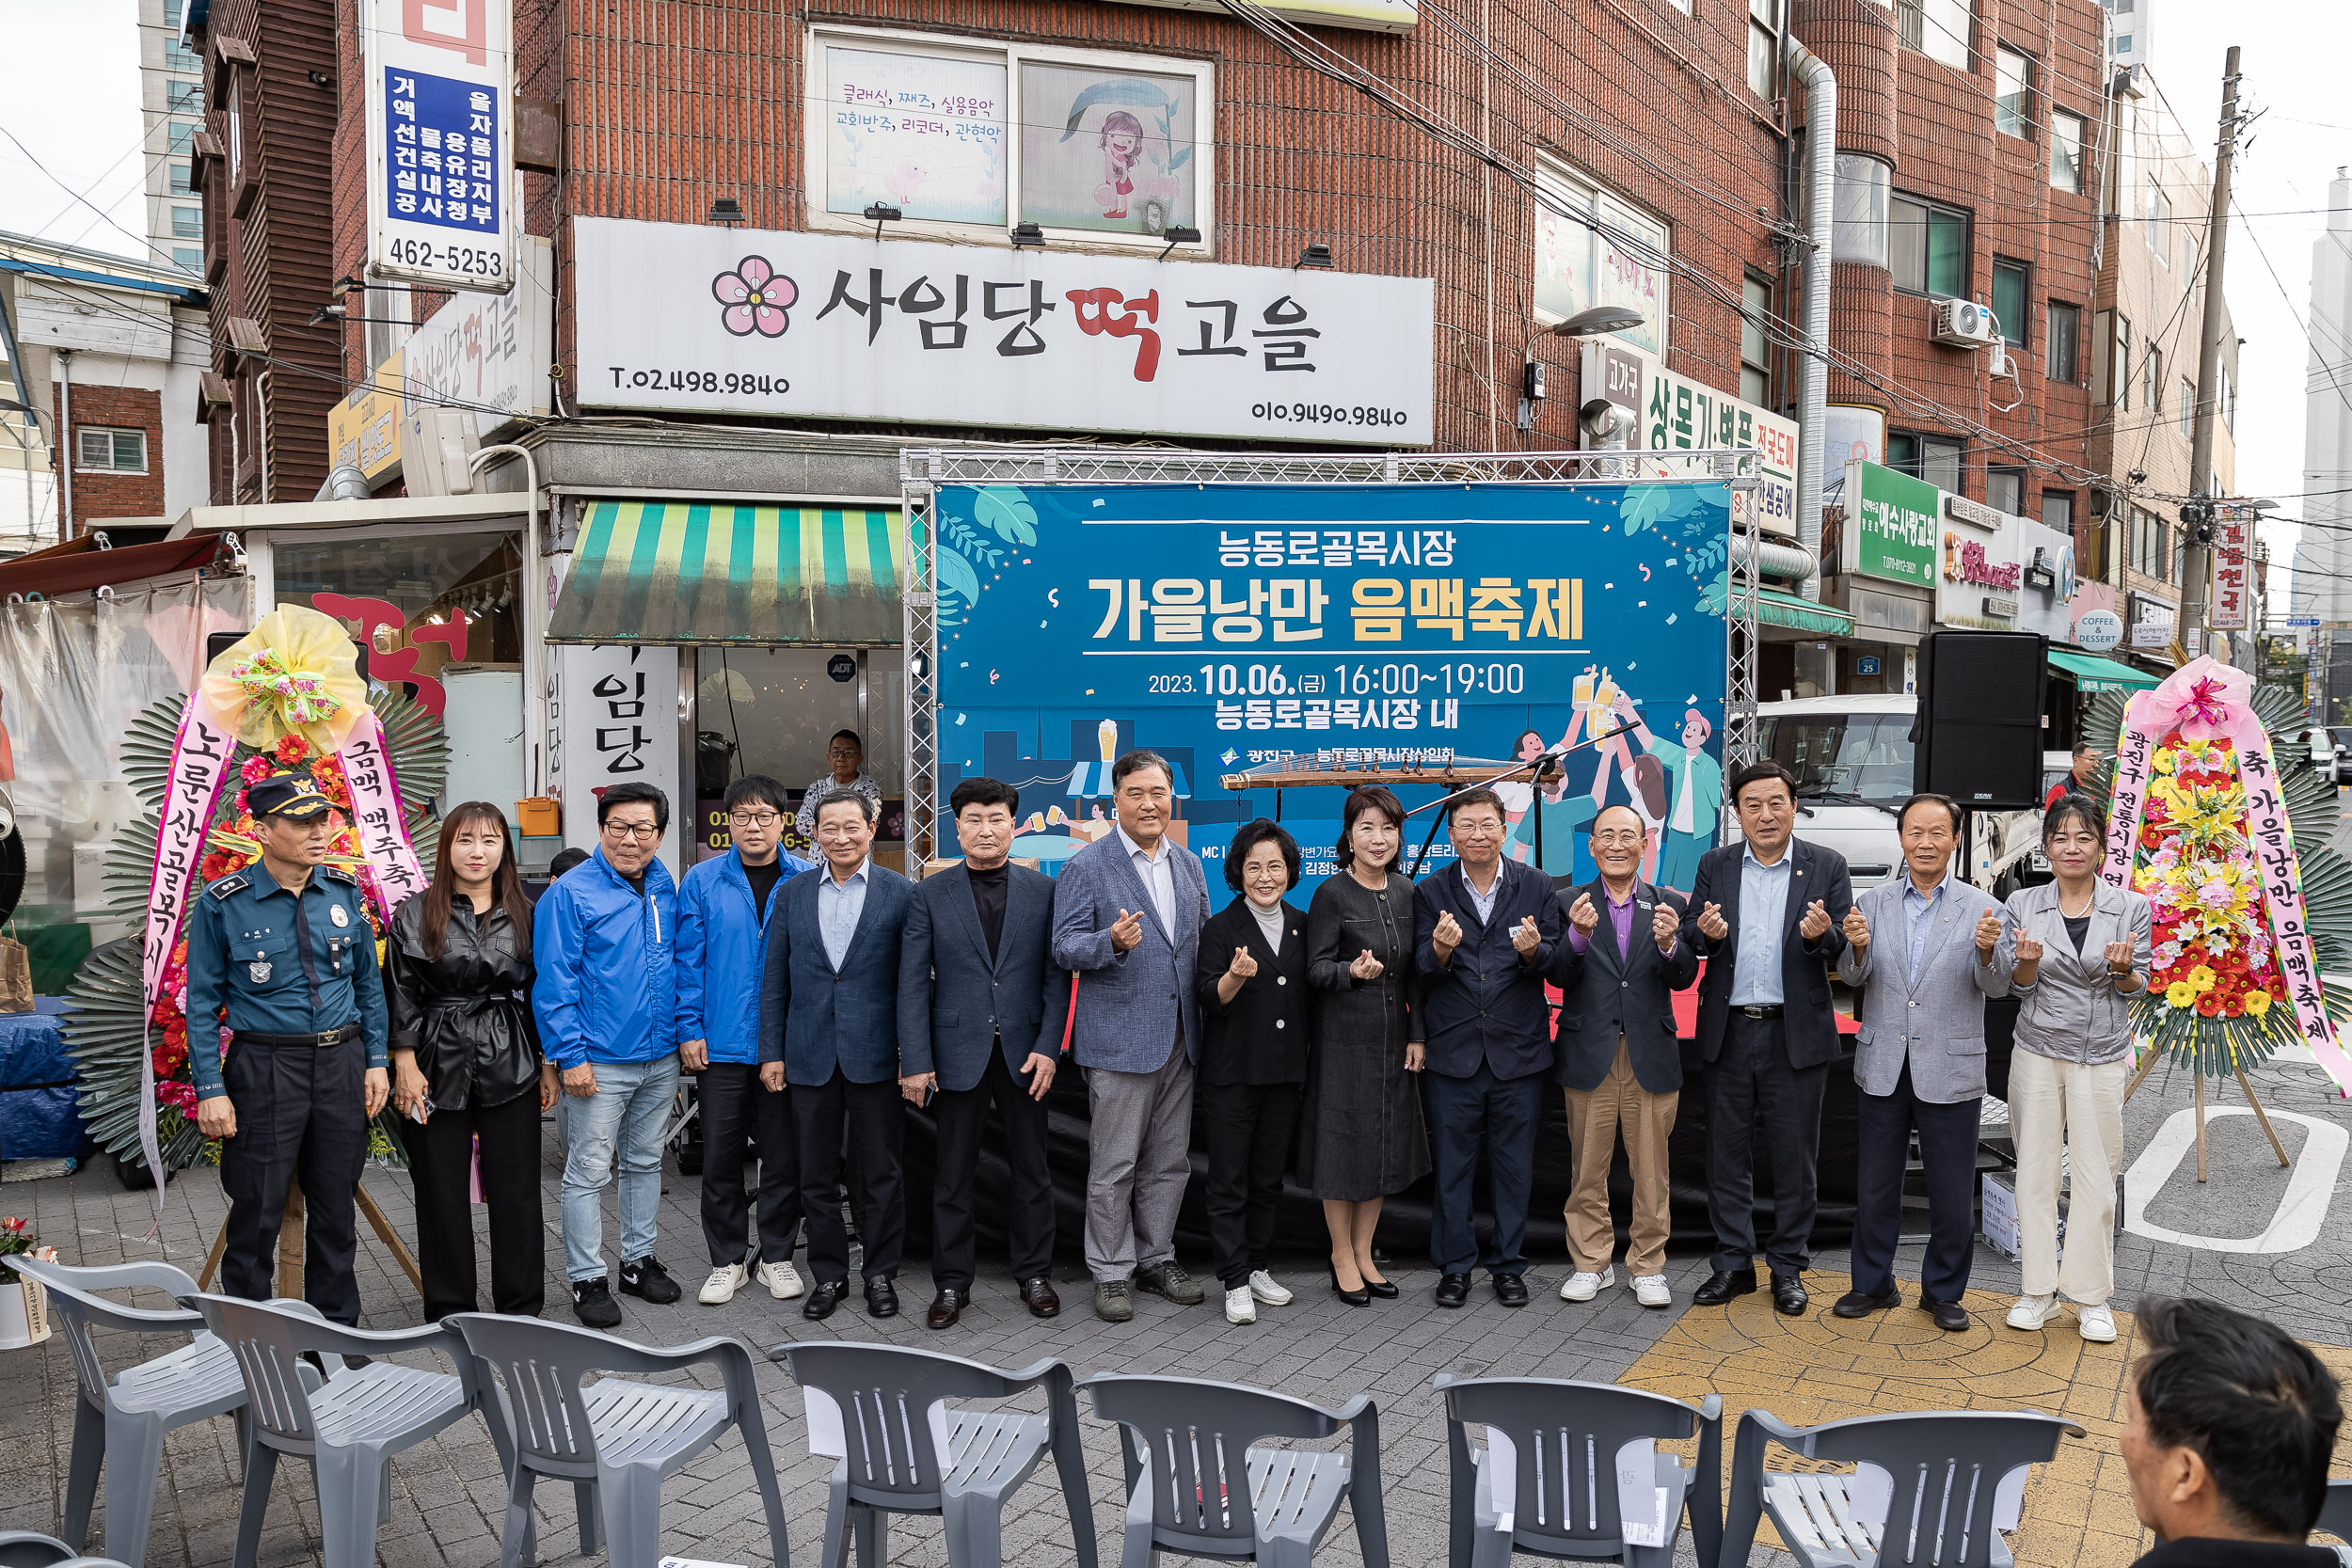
(1537, 763)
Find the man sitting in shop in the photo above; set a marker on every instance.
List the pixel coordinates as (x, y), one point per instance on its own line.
(846, 755)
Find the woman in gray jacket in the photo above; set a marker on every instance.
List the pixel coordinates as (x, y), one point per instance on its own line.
(2081, 952)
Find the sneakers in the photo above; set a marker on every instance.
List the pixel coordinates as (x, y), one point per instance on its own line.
(592, 1300)
(781, 1279)
(2097, 1323)
(2031, 1312)
(1241, 1307)
(1650, 1290)
(1170, 1280)
(1585, 1287)
(645, 1277)
(1266, 1289)
(723, 1282)
(1112, 1304)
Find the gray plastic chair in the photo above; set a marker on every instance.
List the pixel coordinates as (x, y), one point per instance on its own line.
(1196, 1487)
(617, 1440)
(24, 1548)
(1562, 1438)
(1947, 1469)
(2335, 1512)
(890, 1461)
(125, 1416)
(348, 1427)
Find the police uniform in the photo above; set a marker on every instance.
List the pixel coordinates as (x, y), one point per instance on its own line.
(297, 973)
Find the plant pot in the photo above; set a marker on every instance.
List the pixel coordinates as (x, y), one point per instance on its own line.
(24, 1313)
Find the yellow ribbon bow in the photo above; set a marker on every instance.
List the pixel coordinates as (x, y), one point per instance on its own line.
(300, 695)
(296, 673)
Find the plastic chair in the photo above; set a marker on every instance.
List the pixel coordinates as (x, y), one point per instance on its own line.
(24, 1548)
(349, 1427)
(1952, 1483)
(1185, 1449)
(881, 1411)
(1558, 1441)
(2335, 1513)
(618, 1440)
(126, 1416)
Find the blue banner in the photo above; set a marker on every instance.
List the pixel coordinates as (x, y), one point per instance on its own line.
(1228, 627)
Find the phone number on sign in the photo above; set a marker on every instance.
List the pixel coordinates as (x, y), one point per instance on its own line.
(739, 383)
(464, 259)
(1327, 413)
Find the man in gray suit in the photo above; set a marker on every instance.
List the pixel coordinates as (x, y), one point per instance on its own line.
(1919, 1059)
(1127, 916)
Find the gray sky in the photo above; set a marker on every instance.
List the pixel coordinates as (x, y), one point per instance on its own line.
(73, 98)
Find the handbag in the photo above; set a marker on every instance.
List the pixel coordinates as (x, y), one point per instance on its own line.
(16, 978)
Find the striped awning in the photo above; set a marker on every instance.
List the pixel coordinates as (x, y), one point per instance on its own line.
(1776, 609)
(682, 572)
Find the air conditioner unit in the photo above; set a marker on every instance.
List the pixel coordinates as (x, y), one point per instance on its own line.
(1964, 323)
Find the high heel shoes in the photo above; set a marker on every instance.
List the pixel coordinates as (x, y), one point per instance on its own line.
(1384, 1288)
(1360, 1296)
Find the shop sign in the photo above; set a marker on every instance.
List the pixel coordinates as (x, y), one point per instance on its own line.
(2099, 630)
(805, 325)
(1891, 532)
(616, 717)
(2047, 590)
(363, 430)
(2232, 569)
(488, 355)
(440, 125)
(1978, 586)
(1673, 413)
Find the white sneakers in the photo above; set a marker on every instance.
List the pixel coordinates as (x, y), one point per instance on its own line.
(1585, 1287)
(1241, 1307)
(723, 1282)
(2097, 1323)
(1269, 1290)
(781, 1279)
(1650, 1290)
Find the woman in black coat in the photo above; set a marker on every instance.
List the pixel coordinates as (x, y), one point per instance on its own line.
(1256, 1018)
(466, 1067)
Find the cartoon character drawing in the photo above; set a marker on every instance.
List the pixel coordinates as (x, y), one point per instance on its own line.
(910, 178)
(1692, 793)
(1560, 819)
(1121, 141)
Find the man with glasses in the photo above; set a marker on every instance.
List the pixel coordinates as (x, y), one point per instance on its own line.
(723, 909)
(845, 755)
(604, 943)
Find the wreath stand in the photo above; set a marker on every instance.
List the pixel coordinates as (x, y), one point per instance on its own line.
(2149, 1065)
(289, 1244)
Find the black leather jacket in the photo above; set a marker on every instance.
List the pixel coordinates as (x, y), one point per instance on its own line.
(467, 1014)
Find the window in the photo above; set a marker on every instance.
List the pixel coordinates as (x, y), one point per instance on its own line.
(187, 223)
(1858, 211)
(1937, 29)
(233, 134)
(2008, 299)
(1616, 256)
(1755, 374)
(1078, 143)
(2057, 511)
(2122, 44)
(2066, 152)
(2012, 114)
(2159, 220)
(184, 98)
(181, 184)
(1934, 458)
(387, 325)
(2059, 343)
(2120, 363)
(1763, 46)
(2188, 410)
(2151, 543)
(188, 258)
(179, 137)
(2225, 405)
(2005, 490)
(176, 59)
(2188, 256)
(2152, 371)
(113, 451)
(1927, 246)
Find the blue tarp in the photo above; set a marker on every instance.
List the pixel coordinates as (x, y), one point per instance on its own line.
(39, 1119)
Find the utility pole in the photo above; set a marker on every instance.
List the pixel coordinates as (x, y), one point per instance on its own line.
(2196, 591)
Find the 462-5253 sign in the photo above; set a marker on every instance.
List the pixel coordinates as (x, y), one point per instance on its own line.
(440, 141)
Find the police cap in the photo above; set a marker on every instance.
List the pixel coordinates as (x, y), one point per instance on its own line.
(291, 796)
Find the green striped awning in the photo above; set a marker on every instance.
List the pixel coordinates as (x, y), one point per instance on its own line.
(2094, 674)
(1776, 609)
(682, 572)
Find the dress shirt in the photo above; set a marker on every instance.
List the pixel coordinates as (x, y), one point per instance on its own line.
(1483, 902)
(1918, 913)
(1620, 920)
(1763, 905)
(838, 906)
(988, 899)
(1159, 877)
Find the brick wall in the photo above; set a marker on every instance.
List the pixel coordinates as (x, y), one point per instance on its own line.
(116, 495)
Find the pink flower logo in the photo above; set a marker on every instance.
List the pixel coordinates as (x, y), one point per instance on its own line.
(757, 300)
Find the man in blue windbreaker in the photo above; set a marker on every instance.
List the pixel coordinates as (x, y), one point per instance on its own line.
(723, 909)
(604, 940)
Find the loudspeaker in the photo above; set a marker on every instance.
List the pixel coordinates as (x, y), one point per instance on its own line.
(1977, 736)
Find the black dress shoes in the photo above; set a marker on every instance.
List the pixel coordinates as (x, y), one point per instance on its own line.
(1861, 1304)
(1950, 1316)
(1359, 1296)
(1383, 1289)
(1510, 1289)
(824, 1297)
(1722, 1285)
(1453, 1290)
(881, 1299)
(1788, 1298)
(947, 1307)
(1039, 1295)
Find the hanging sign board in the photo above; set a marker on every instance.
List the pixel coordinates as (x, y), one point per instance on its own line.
(440, 99)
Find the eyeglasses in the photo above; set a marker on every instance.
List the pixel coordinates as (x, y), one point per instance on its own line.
(643, 832)
(753, 818)
(1623, 836)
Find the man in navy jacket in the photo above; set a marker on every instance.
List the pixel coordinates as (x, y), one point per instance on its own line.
(829, 1026)
(980, 1011)
(723, 909)
(1485, 932)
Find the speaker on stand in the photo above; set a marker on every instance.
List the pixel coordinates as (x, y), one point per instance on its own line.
(1977, 734)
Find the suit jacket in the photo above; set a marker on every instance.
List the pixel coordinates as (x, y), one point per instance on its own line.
(1486, 1005)
(815, 1019)
(1809, 1027)
(1605, 994)
(955, 1003)
(1933, 1020)
(1261, 1036)
(1131, 1005)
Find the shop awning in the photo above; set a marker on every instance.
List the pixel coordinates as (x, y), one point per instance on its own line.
(2094, 674)
(1776, 609)
(678, 572)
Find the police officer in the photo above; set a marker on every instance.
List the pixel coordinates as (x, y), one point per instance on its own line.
(286, 947)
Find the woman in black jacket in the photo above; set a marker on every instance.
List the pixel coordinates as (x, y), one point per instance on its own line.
(1256, 1018)
(467, 1067)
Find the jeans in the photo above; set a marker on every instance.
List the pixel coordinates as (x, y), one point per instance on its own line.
(620, 1124)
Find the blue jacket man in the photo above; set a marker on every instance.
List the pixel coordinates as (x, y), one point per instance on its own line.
(603, 941)
(829, 1027)
(724, 907)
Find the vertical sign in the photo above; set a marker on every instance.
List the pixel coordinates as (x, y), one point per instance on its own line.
(1673, 413)
(441, 89)
(619, 716)
(2233, 573)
